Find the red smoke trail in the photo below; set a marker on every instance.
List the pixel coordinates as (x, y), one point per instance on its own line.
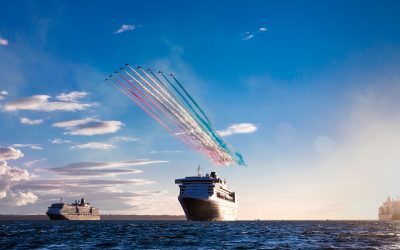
(153, 115)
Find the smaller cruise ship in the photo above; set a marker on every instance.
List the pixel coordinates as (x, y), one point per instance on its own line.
(75, 211)
(390, 210)
(207, 198)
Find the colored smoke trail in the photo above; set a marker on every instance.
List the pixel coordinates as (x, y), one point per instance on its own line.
(166, 100)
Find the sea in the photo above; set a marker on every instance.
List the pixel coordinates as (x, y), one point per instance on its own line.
(199, 235)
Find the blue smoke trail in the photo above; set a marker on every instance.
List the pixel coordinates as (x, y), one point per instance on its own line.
(208, 127)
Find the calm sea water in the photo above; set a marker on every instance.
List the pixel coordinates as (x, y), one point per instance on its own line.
(205, 235)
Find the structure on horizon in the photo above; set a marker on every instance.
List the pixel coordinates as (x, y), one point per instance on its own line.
(75, 211)
(390, 210)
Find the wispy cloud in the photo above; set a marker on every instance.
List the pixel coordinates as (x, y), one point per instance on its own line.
(42, 103)
(124, 139)
(60, 141)
(95, 169)
(3, 94)
(73, 96)
(3, 41)
(31, 146)
(93, 145)
(247, 35)
(124, 28)
(240, 128)
(33, 162)
(250, 35)
(89, 126)
(139, 162)
(27, 121)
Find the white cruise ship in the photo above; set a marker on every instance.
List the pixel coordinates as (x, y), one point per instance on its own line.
(75, 211)
(207, 198)
(390, 210)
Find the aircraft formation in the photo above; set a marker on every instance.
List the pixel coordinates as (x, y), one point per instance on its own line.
(166, 100)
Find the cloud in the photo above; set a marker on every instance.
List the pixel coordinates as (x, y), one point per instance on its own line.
(33, 162)
(60, 141)
(9, 153)
(73, 123)
(3, 94)
(31, 146)
(78, 184)
(124, 28)
(240, 128)
(21, 198)
(27, 121)
(11, 177)
(93, 145)
(124, 139)
(247, 36)
(250, 35)
(3, 41)
(89, 126)
(95, 169)
(42, 103)
(72, 96)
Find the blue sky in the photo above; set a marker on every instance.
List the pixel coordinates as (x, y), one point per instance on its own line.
(318, 80)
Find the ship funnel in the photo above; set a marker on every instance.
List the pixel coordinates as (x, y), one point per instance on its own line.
(82, 201)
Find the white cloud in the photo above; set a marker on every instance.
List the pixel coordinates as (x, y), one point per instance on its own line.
(139, 162)
(247, 36)
(33, 162)
(93, 145)
(240, 128)
(250, 35)
(27, 121)
(96, 169)
(21, 198)
(124, 139)
(124, 28)
(72, 96)
(60, 141)
(89, 126)
(73, 123)
(3, 41)
(42, 103)
(9, 153)
(3, 94)
(31, 146)
(10, 177)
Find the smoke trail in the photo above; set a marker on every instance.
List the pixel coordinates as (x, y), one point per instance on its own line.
(174, 105)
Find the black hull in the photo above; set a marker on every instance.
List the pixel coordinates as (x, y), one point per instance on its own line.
(56, 216)
(201, 210)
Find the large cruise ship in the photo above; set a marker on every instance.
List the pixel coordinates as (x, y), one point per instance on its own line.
(75, 211)
(207, 198)
(390, 210)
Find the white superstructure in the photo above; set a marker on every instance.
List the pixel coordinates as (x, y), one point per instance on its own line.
(207, 198)
(390, 210)
(75, 211)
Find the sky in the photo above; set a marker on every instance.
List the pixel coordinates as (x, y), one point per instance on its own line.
(307, 91)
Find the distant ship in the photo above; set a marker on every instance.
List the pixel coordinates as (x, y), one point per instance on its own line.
(75, 211)
(390, 210)
(207, 198)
